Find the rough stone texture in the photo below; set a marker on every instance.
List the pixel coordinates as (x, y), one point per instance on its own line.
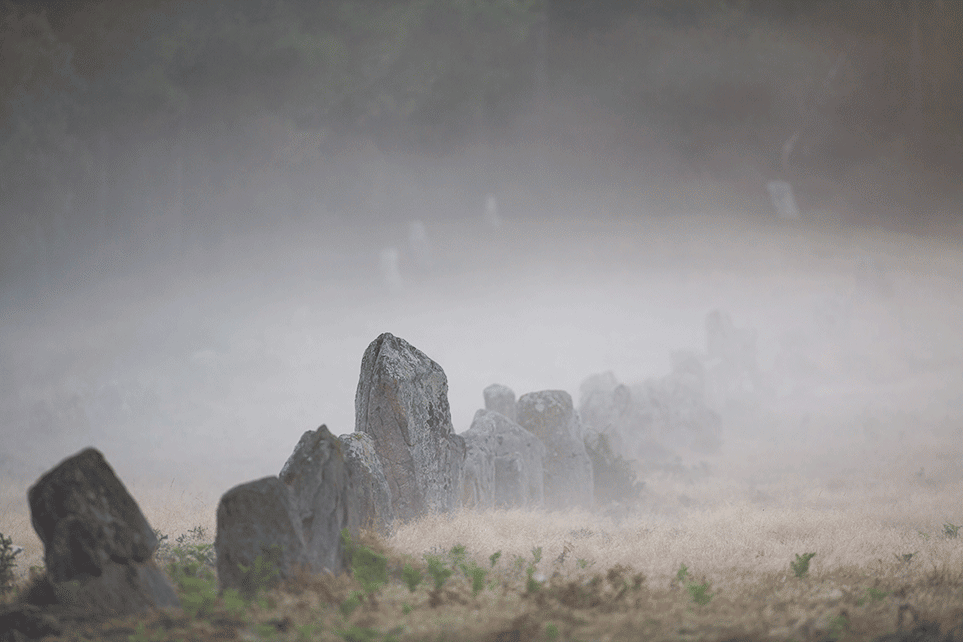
(251, 519)
(368, 496)
(510, 460)
(94, 532)
(402, 403)
(317, 478)
(550, 416)
(302, 511)
(499, 398)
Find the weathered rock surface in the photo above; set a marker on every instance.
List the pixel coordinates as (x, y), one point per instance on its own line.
(499, 398)
(293, 520)
(402, 403)
(550, 416)
(94, 533)
(368, 494)
(509, 461)
(256, 519)
(317, 478)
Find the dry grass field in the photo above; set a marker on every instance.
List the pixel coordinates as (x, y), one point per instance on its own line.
(855, 456)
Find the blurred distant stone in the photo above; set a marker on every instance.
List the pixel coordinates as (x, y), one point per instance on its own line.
(368, 494)
(422, 255)
(550, 416)
(606, 407)
(402, 403)
(504, 467)
(492, 215)
(783, 201)
(499, 398)
(732, 366)
(390, 270)
(94, 534)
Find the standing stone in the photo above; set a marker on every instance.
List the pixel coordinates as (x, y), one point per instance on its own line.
(732, 362)
(257, 519)
(511, 457)
(317, 478)
(478, 473)
(94, 533)
(368, 496)
(420, 247)
(550, 416)
(499, 398)
(606, 407)
(294, 520)
(402, 403)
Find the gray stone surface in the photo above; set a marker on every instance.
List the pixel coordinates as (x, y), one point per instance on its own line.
(512, 458)
(94, 533)
(499, 398)
(299, 514)
(317, 477)
(368, 496)
(550, 416)
(402, 403)
(252, 518)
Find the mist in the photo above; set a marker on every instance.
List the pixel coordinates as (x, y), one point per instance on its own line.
(193, 288)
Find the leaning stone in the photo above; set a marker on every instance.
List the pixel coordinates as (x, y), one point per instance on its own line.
(402, 403)
(368, 496)
(499, 398)
(96, 540)
(317, 478)
(549, 415)
(257, 519)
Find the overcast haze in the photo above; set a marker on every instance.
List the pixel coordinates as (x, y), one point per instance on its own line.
(194, 266)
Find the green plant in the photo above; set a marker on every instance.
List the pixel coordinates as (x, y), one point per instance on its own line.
(801, 566)
(261, 574)
(682, 574)
(699, 593)
(838, 625)
(872, 595)
(8, 562)
(950, 531)
(477, 576)
(140, 634)
(551, 631)
(411, 576)
(905, 558)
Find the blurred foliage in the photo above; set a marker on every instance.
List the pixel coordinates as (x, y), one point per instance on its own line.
(174, 112)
